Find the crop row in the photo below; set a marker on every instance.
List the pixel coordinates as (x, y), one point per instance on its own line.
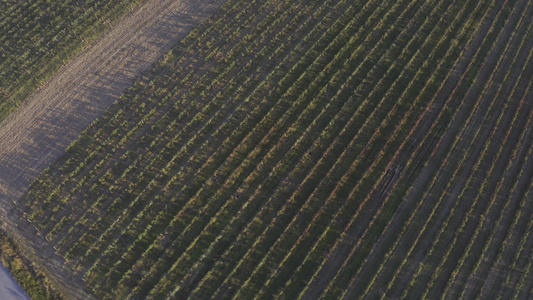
(271, 151)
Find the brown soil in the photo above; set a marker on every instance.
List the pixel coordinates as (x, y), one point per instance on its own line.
(37, 134)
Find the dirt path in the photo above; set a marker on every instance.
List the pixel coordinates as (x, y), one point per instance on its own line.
(9, 288)
(35, 135)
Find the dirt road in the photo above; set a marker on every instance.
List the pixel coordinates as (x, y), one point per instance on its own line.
(9, 289)
(35, 135)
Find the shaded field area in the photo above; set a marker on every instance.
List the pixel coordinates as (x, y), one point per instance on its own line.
(309, 150)
(9, 288)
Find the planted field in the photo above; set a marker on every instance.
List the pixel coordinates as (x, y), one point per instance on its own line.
(310, 149)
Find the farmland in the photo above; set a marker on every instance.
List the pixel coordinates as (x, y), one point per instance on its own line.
(310, 149)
